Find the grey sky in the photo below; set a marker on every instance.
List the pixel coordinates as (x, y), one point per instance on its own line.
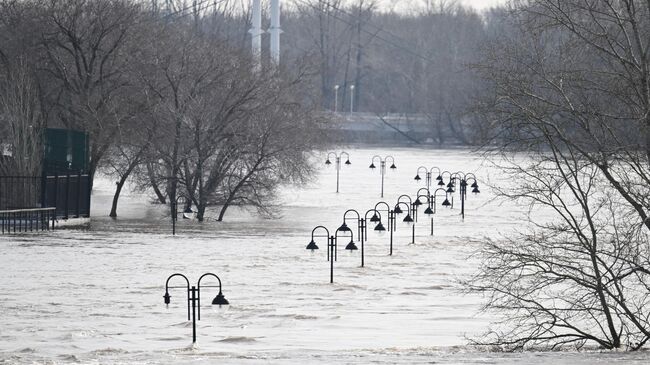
(410, 4)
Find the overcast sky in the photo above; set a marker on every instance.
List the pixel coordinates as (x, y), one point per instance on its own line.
(406, 4)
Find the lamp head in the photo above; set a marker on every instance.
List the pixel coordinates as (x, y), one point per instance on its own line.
(450, 184)
(398, 210)
(348, 162)
(417, 202)
(167, 297)
(220, 299)
(372, 165)
(474, 184)
(439, 178)
(441, 183)
(393, 166)
(351, 246)
(328, 162)
(446, 203)
(380, 227)
(408, 219)
(375, 218)
(428, 211)
(417, 177)
(475, 190)
(344, 228)
(450, 189)
(312, 245)
(463, 183)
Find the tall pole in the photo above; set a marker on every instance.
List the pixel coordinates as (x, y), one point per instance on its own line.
(462, 198)
(332, 240)
(391, 228)
(256, 34)
(193, 292)
(383, 172)
(336, 98)
(275, 31)
(351, 99)
(338, 170)
(362, 223)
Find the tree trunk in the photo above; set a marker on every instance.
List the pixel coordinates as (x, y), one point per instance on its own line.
(154, 185)
(222, 212)
(116, 197)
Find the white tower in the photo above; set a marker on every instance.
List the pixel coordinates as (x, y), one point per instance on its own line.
(256, 33)
(275, 31)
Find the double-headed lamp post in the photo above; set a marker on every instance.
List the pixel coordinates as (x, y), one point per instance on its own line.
(337, 160)
(331, 245)
(464, 181)
(382, 167)
(428, 175)
(411, 212)
(391, 223)
(424, 193)
(194, 297)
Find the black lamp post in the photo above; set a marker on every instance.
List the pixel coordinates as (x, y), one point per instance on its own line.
(337, 159)
(175, 211)
(428, 174)
(361, 227)
(411, 213)
(376, 219)
(382, 168)
(194, 297)
(391, 223)
(464, 181)
(429, 210)
(332, 246)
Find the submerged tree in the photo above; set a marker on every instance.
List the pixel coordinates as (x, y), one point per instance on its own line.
(572, 97)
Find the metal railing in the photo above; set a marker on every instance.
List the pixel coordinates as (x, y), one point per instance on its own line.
(27, 220)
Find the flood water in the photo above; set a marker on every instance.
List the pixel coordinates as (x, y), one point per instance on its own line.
(96, 295)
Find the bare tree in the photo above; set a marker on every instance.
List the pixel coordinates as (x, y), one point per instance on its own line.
(571, 92)
(21, 122)
(85, 43)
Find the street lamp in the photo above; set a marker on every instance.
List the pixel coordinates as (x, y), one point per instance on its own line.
(391, 223)
(351, 99)
(175, 211)
(194, 297)
(337, 159)
(361, 227)
(428, 174)
(332, 245)
(336, 98)
(411, 213)
(463, 189)
(429, 210)
(382, 168)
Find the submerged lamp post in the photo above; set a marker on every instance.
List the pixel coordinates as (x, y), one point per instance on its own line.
(391, 223)
(175, 211)
(382, 168)
(337, 159)
(428, 175)
(464, 179)
(332, 246)
(428, 211)
(411, 212)
(194, 297)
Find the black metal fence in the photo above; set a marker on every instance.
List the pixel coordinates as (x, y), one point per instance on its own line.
(69, 194)
(27, 220)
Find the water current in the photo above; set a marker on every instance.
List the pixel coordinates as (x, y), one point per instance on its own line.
(96, 295)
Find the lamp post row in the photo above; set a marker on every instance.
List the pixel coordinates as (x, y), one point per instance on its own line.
(410, 206)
